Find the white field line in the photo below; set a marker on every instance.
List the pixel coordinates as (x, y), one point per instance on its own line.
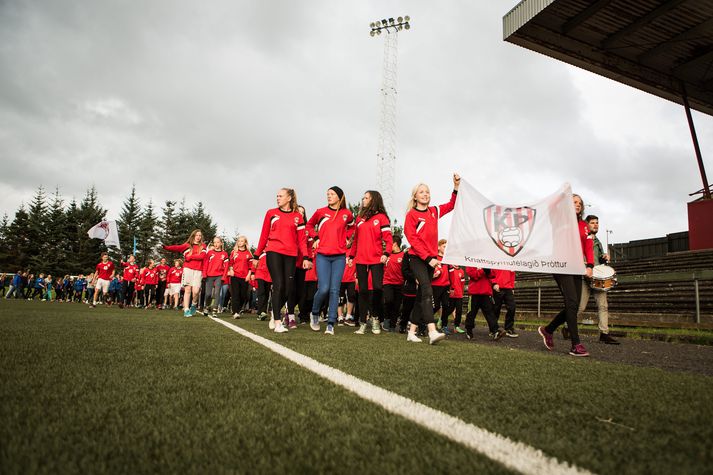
(514, 455)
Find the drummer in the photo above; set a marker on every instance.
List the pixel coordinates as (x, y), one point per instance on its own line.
(600, 295)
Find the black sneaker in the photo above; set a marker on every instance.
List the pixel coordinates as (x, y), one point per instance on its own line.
(511, 333)
(605, 338)
(498, 334)
(469, 333)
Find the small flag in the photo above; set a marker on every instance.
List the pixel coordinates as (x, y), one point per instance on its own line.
(106, 231)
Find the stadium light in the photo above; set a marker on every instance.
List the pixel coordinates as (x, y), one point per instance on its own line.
(390, 25)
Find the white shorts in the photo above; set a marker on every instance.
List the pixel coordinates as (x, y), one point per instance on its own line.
(103, 284)
(174, 289)
(191, 277)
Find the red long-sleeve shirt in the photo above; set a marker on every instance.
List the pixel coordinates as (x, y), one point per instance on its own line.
(333, 228)
(311, 274)
(150, 276)
(392, 270)
(215, 263)
(281, 233)
(162, 270)
(240, 262)
(440, 274)
(587, 243)
(105, 270)
(349, 274)
(131, 271)
(262, 272)
(421, 229)
(372, 239)
(457, 278)
(193, 255)
(504, 278)
(479, 283)
(174, 275)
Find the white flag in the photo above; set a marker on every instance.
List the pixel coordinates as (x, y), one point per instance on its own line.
(106, 231)
(539, 237)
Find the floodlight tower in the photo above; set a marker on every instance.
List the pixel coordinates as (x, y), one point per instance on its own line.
(386, 153)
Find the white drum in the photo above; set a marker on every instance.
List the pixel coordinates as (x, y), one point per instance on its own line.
(603, 277)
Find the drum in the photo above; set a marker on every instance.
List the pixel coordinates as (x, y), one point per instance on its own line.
(603, 277)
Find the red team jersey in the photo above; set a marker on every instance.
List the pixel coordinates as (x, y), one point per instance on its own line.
(281, 233)
(150, 276)
(479, 283)
(440, 275)
(457, 278)
(504, 278)
(587, 243)
(262, 271)
(372, 239)
(174, 275)
(131, 271)
(421, 229)
(162, 270)
(240, 262)
(333, 228)
(193, 255)
(105, 270)
(215, 263)
(350, 273)
(392, 270)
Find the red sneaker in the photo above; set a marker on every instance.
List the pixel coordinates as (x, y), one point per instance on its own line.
(546, 338)
(579, 350)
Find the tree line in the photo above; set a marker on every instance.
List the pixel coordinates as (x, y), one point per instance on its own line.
(50, 235)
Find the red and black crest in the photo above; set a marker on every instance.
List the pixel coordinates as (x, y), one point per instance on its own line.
(509, 228)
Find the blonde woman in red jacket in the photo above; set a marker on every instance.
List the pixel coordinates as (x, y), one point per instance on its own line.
(194, 251)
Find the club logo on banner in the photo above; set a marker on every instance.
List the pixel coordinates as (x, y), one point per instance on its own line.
(509, 228)
(536, 237)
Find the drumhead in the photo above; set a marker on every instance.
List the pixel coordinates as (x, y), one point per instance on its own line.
(603, 271)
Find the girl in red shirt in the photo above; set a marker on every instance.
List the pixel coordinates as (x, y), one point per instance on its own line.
(194, 251)
(239, 272)
(441, 285)
(214, 266)
(283, 239)
(571, 288)
(370, 249)
(393, 285)
(421, 230)
(331, 227)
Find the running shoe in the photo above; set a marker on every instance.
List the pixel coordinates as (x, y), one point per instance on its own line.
(280, 329)
(412, 338)
(236, 315)
(271, 325)
(187, 313)
(262, 317)
(349, 321)
(579, 350)
(193, 310)
(314, 322)
(330, 329)
(361, 330)
(291, 324)
(435, 337)
(498, 334)
(546, 338)
(375, 326)
(606, 338)
(469, 333)
(459, 330)
(340, 321)
(511, 333)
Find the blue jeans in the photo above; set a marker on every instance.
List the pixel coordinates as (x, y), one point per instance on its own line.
(330, 270)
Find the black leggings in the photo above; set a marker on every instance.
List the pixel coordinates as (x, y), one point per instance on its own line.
(571, 289)
(150, 293)
(392, 302)
(282, 271)
(295, 295)
(307, 299)
(507, 297)
(128, 292)
(409, 301)
(442, 302)
(370, 301)
(484, 303)
(457, 304)
(238, 293)
(423, 308)
(263, 295)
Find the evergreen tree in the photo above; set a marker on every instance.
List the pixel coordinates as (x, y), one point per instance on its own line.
(129, 222)
(148, 234)
(73, 231)
(38, 240)
(184, 224)
(203, 221)
(5, 243)
(19, 238)
(170, 225)
(55, 257)
(90, 213)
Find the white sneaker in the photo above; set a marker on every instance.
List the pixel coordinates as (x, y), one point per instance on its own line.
(329, 330)
(314, 322)
(281, 329)
(271, 325)
(412, 338)
(236, 315)
(435, 337)
(361, 330)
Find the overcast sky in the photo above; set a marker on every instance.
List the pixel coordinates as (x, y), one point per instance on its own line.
(227, 101)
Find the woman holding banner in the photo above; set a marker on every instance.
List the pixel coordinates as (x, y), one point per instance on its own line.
(421, 230)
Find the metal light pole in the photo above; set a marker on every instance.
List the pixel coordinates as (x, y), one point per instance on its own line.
(386, 153)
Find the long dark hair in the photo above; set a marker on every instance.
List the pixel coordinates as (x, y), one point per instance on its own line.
(376, 206)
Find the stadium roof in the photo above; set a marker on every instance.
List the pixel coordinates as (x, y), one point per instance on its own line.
(658, 46)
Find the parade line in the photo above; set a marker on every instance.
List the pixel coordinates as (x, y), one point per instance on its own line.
(513, 455)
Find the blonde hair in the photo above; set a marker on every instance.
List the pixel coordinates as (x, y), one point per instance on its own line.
(412, 202)
(247, 246)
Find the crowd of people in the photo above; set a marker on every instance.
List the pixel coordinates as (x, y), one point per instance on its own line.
(335, 269)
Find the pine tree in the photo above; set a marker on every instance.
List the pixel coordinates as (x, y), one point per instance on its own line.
(90, 213)
(38, 240)
(170, 231)
(55, 257)
(202, 220)
(19, 238)
(129, 222)
(73, 231)
(148, 234)
(5, 243)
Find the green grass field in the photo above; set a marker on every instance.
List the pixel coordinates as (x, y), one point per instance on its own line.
(133, 391)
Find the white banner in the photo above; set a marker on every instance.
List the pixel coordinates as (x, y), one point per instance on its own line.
(106, 231)
(539, 237)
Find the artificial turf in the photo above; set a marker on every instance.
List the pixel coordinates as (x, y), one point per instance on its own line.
(109, 390)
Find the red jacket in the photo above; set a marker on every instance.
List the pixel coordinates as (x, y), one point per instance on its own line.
(457, 278)
(372, 239)
(131, 271)
(281, 233)
(215, 263)
(421, 229)
(240, 262)
(150, 276)
(162, 270)
(332, 228)
(479, 282)
(587, 243)
(504, 278)
(440, 275)
(262, 272)
(392, 270)
(349, 274)
(193, 255)
(174, 275)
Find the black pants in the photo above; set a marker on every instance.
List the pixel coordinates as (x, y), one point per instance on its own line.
(128, 292)
(282, 271)
(201, 299)
(160, 292)
(238, 293)
(457, 304)
(150, 293)
(370, 301)
(263, 295)
(442, 302)
(571, 288)
(36, 292)
(408, 303)
(506, 296)
(484, 303)
(307, 299)
(294, 296)
(423, 308)
(392, 301)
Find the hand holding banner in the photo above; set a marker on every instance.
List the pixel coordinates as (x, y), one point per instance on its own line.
(539, 237)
